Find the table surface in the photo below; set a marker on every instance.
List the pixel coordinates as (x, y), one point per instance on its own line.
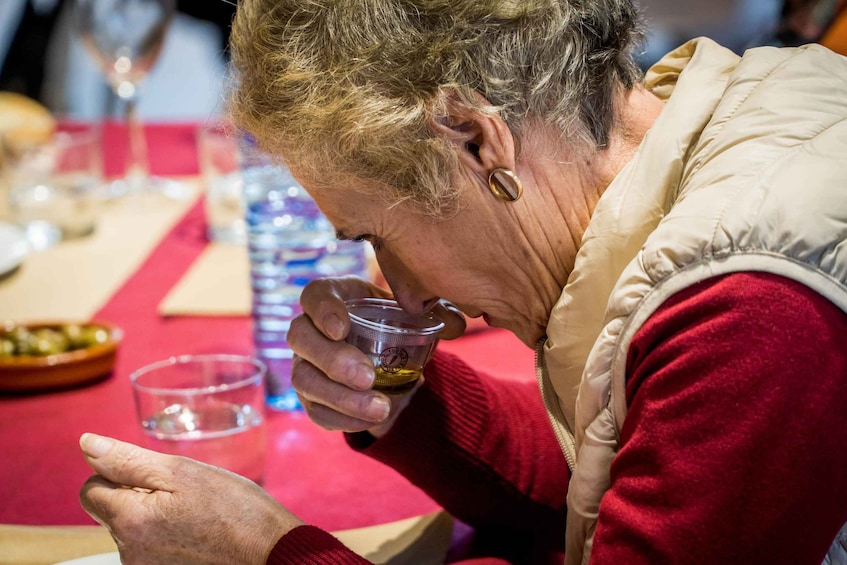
(310, 470)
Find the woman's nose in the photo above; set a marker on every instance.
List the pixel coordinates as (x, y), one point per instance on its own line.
(412, 301)
(408, 292)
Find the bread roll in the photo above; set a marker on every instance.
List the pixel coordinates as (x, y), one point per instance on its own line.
(24, 124)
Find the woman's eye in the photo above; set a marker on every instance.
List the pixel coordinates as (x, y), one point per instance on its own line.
(370, 238)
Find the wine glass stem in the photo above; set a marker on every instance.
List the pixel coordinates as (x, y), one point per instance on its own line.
(137, 169)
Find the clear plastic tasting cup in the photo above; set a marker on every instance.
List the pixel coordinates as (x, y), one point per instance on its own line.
(398, 343)
(206, 407)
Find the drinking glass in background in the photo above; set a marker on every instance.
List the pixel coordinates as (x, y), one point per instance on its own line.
(398, 343)
(290, 243)
(54, 188)
(206, 407)
(218, 153)
(125, 38)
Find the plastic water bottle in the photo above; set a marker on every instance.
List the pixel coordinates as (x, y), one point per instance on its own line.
(290, 243)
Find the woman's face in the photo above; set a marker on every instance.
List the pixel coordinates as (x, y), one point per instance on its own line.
(504, 261)
(473, 258)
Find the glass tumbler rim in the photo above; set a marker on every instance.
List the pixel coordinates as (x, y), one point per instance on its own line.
(174, 360)
(392, 306)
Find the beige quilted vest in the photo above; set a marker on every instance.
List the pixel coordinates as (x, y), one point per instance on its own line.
(735, 175)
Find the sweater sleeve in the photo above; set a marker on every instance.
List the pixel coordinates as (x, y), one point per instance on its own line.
(483, 449)
(733, 450)
(308, 544)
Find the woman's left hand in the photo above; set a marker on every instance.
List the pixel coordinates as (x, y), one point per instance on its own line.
(167, 509)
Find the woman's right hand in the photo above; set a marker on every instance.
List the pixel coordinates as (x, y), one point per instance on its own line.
(332, 378)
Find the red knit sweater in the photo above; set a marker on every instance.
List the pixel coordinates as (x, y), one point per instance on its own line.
(734, 449)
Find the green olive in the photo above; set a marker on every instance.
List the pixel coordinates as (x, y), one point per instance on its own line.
(24, 340)
(74, 334)
(18, 333)
(92, 335)
(50, 342)
(20, 340)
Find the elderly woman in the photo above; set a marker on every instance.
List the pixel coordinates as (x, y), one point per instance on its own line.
(673, 247)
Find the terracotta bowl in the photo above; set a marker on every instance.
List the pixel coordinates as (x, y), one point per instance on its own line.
(32, 373)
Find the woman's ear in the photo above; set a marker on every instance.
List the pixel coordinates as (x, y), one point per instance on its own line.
(484, 141)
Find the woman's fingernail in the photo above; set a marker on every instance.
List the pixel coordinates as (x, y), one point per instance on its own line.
(334, 327)
(363, 376)
(377, 410)
(94, 445)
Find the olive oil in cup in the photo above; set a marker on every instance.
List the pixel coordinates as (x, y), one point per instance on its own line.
(398, 343)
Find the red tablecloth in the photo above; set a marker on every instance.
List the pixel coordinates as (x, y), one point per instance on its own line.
(310, 470)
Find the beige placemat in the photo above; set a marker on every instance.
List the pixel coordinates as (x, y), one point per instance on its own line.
(422, 540)
(76, 278)
(45, 545)
(216, 284)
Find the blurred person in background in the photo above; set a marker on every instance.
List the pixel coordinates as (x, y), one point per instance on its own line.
(672, 245)
(735, 24)
(811, 21)
(40, 58)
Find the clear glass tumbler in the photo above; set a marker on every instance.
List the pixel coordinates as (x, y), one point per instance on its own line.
(206, 407)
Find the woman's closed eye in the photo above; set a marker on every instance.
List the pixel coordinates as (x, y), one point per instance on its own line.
(376, 242)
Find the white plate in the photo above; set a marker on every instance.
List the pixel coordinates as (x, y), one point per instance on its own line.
(13, 247)
(99, 559)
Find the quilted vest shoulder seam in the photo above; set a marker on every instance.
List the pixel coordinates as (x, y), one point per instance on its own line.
(727, 116)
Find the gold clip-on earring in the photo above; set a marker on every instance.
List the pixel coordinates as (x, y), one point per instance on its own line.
(505, 184)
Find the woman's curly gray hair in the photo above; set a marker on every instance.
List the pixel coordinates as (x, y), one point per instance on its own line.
(350, 88)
